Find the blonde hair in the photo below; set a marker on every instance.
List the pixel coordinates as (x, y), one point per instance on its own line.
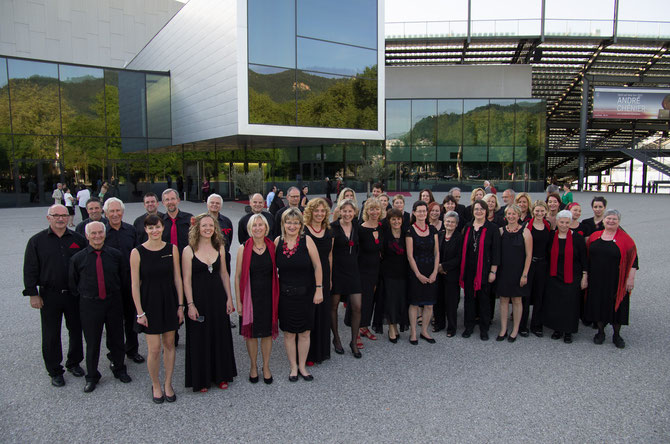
(349, 202)
(399, 197)
(373, 202)
(523, 195)
(491, 195)
(313, 205)
(513, 207)
(194, 233)
(474, 193)
(253, 218)
(540, 203)
(340, 197)
(291, 213)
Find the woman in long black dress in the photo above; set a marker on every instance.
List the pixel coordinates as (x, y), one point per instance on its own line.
(595, 223)
(346, 276)
(158, 296)
(257, 292)
(209, 341)
(567, 275)
(394, 268)
(612, 257)
(451, 249)
(317, 215)
(423, 255)
(479, 264)
(300, 288)
(516, 253)
(537, 277)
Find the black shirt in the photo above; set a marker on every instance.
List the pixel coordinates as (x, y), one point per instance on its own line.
(242, 234)
(451, 252)
(226, 226)
(122, 239)
(139, 228)
(84, 276)
(47, 259)
(81, 226)
(183, 221)
(276, 229)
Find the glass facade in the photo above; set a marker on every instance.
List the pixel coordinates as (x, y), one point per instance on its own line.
(78, 125)
(313, 63)
(440, 143)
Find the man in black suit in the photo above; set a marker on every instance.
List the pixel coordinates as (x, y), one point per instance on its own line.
(257, 207)
(293, 198)
(150, 201)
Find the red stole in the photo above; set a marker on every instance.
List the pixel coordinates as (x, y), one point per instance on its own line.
(245, 290)
(568, 257)
(480, 259)
(628, 253)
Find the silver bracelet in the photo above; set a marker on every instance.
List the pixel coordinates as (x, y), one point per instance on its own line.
(139, 316)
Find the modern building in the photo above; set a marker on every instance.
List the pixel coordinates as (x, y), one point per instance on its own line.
(146, 95)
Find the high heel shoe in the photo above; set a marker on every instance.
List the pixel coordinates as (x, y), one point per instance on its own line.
(427, 339)
(393, 340)
(368, 334)
(357, 354)
(501, 338)
(339, 350)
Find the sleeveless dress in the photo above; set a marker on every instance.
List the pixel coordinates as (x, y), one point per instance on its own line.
(512, 259)
(260, 278)
(209, 344)
(368, 265)
(346, 276)
(296, 286)
(157, 291)
(424, 256)
(319, 345)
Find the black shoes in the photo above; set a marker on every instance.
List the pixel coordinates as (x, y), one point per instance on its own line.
(599, 338)
(501, 338)
(538, 333)
(90, 386)
(293, 378)
(136, 358)
(484, 336)
(58, 381)
(414, 342)
(511, 339)
(76, 371)
(524, 333)
(556, 335)
(567, 338)
(618, 341)
(357, 354)
(253, 379)
(268, 381)
(124, 377)
(306, 377)
(339, 350)
(467, 333)
(157, 400)
(172, 398)
(427, 339)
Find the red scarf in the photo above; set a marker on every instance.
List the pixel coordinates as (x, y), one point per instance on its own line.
(567, 260)
(628, 253)
(532, 221)
(480, 259)
(245, 289)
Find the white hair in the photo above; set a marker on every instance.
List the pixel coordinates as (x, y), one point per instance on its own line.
(111, 200)
(54, 206)
(214, 196)
(564, 214)
(88, 228)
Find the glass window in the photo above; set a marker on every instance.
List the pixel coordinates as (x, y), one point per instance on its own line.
(84, 159)
(424, 127)
(165, 168)
(449, 129)
(127, 168)
(530, 130)
(159, 120)
(82, 100)
(501, 139)
(287, 164)
(4, 98)
(398, 129)
(475, 138)
(333, 153)
(335, 58)
(112, 103)
(271, 32)
(132, 104)
(7, 185)
(34, 93)
(344, 21)
(271, 95)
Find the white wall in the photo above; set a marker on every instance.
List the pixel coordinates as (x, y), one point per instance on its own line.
(92, 32)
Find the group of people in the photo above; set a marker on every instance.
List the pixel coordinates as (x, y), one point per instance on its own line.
(295, 266)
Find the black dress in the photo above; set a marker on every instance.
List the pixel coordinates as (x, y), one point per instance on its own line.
(346, 276)
(451, 251)
(512, 261)
(260, 278)
(560, 310)
(589, 226)
(604, 257)
(394, 269)
(424, 256)
(369, 257)
(209, 344)
(319, 344)
(157, 290)
(296, 285)
(537, 279)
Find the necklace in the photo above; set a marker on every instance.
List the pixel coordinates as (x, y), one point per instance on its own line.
(475, 238)
(423, 230)
(315, 230)
(288, 252)
(259, 249)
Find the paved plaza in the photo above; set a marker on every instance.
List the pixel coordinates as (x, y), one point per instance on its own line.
(458, 390)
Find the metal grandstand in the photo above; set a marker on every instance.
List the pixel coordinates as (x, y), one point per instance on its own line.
(565, 57)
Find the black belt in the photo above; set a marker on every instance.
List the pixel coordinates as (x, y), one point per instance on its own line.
(290, 290)
(537, 259)
(54, 290)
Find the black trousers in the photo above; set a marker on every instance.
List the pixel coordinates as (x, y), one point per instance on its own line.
(477, 300)
(537, 280)
(57, 305)
(84, 213)
(440, 306)
(129, 319)
(96, 314)
(452, 297)
(378, 319)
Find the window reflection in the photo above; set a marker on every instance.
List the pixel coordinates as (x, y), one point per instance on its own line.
(271, 32)
(158, 106)
(475, 138)
(34, 95)
(345, 21)
(4, 98)
(272, 95)
(424, 126)
(84, 159)
(449, 138)
(132, 105)
(398, 126)
(315, 55)
(501, 139)
(82, 100)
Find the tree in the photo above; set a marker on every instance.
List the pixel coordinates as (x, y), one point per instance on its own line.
(374, 170)
(250, 182)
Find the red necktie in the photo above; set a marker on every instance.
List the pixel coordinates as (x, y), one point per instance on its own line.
(173, 232)
(102, 292)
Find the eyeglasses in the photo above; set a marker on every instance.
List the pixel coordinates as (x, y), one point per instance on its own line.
(59, 216)
(478, 209)
(292, 222)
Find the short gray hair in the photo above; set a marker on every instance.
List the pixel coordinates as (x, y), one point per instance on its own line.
(612, 212)
(451, 214)
(88, 228)
(565, 214)
(168, 191)
(214, 196)
(451, 191)
(105, 207)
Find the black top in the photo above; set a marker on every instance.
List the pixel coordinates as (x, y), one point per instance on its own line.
(122, 239)
(183, 221)
(589, 226)
(243, 235)
(47, 258)
(541, 242)
(394, 255)
(84, 277)
(81, 226)
(276, 204)
(139, 228)
(295, 270)
(491, 247)
(451, 251)
(276, 229)
(579, 259)
(226, 226)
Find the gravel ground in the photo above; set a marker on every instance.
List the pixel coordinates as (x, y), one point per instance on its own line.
(458, 390)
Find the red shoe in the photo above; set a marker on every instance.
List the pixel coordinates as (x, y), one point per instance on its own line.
(203, 390)
(359, 342)
(223, 385)
(310, 364)
(368, 334)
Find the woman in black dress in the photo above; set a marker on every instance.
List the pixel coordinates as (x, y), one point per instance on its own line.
(317, 215)
(399, 204)
(158, 296)
(567, 275)
(612, 258)
(516, 253)
(345, 194)
(553, 206)
(209, 341)
(346, 276)
(537, 276)
(451, 248)
(423, 255)
(277, 202)
(303, 196)
(257, 292)
(475, 195)
(493, 210)
(394, 273)
(450, 204)
(427, 196)
(576, 211)
(435, 218)
(479, 264)
(523, 201)
(595, 223)
(299, 273)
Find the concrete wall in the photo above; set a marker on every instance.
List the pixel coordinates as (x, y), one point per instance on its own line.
(92, 32)
(465, 81)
